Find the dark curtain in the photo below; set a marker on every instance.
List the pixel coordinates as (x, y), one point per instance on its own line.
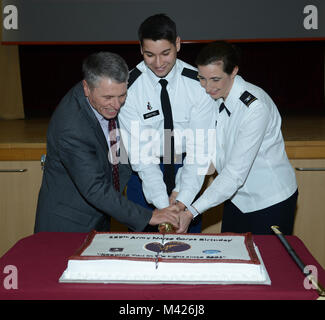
(291, 72)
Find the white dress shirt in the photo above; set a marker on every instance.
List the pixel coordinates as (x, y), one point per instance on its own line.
(142, 130)
(104, 125)
(250, 158)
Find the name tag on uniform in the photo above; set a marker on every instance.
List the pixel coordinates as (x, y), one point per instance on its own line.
(151, 114)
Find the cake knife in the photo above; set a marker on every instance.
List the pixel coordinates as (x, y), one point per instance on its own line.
(163, 229)
(156, 260)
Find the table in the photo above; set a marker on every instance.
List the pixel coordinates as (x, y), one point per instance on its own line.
(40, 260)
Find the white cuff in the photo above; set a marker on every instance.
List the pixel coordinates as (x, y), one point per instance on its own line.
(193, 211)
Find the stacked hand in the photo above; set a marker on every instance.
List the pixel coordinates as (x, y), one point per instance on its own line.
(172, 198)
(177, 210)
(176, 214)
(185, 217)
(168, 215)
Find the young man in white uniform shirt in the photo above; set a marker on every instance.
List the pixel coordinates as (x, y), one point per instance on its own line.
(255, 178)
(142, 118)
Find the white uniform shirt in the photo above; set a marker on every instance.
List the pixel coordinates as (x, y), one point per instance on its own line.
(142, 130)
(252, 165)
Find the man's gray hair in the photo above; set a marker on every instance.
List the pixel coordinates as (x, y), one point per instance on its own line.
(104, 65)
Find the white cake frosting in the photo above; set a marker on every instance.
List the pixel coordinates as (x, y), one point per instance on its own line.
(201, 258)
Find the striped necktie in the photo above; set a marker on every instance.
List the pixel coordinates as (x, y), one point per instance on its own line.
(113, 149)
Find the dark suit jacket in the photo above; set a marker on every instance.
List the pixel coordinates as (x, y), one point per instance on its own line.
(77, 193)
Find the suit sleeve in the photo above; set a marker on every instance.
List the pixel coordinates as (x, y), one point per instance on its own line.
(79, 153)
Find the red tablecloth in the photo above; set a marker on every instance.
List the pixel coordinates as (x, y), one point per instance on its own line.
(40, 260)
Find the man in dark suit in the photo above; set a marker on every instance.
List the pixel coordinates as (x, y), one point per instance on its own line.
(86, 166)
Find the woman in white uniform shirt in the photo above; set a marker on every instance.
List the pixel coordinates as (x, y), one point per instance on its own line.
(255, 178)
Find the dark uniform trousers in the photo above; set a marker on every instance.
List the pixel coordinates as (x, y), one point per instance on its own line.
(259, 222)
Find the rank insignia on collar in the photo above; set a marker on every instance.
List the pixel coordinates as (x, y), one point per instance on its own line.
(149, 107)
(247, 98)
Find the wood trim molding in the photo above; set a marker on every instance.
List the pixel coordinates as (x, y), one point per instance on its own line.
(34, 151)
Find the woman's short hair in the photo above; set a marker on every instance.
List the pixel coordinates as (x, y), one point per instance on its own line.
(219, 51)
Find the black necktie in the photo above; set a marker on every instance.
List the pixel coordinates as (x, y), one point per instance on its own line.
(113, 148)
(168, 159)
(222, 106)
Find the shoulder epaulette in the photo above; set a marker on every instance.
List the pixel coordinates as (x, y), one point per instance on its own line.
(134, 74)
(247, 98)
(190, 73)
